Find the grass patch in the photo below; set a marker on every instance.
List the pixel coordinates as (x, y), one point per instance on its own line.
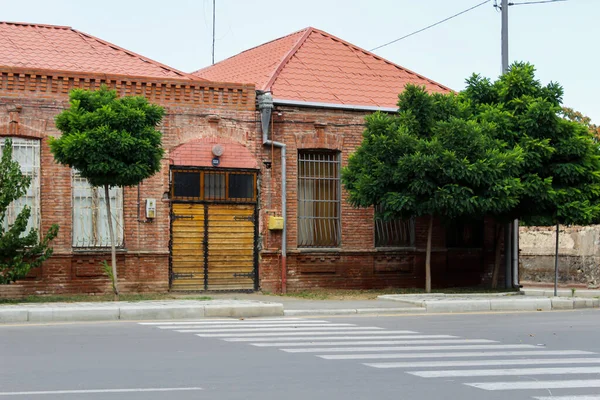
(103, 297)
(371, 294)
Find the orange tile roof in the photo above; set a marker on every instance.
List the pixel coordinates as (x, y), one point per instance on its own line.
(66, 49)
(314, 66)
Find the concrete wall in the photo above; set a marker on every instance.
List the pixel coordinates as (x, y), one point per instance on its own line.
(579, 255)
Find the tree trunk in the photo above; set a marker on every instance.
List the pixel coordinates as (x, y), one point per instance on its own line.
(499, 234)
(113, 251)
(428, 257)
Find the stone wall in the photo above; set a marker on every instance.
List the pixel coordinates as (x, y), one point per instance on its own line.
(579, 255)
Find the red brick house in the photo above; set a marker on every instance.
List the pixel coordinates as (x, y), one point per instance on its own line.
(222, 209)
(39, 65)
(321, 88)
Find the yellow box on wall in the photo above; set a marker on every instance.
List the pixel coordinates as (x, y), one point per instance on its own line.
(275, 223)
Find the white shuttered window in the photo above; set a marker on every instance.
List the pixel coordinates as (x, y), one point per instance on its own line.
(27, 153)
(90, 222)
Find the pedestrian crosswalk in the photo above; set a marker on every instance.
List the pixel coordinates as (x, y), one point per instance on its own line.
(539, 372)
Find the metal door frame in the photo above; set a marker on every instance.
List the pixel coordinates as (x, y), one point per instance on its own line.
(206, 206)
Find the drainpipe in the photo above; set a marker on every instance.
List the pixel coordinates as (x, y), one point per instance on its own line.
(265, 106)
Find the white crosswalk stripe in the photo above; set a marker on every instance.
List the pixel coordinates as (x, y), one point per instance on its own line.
(362, 342)
(519, 385)
(482, 363)
(422, 355)
(582, 397)
(282, 329)
(381, 336)
(409, 348)
(290, 331)
(288, 325)
(230, 321)
(454, 354)
(505, 372)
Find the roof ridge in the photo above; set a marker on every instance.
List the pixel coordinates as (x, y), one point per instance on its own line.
(139, 56)
(287, 57)
(250, 49)
(35, 24)
(367, 52)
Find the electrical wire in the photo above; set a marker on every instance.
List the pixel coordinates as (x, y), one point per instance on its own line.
(432, 25)
(534, 2)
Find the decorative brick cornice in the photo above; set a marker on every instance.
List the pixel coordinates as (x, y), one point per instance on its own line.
(52, 84)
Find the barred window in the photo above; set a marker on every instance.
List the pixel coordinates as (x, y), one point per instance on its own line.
(27, 153)
(465, 234)
(90, 222)
(318, 199)
(394, 233)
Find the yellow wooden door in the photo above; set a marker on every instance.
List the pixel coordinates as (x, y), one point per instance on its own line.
(187, 247)
(231, 247)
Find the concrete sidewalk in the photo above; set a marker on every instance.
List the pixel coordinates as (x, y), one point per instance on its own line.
(451, 303)
(247, 305)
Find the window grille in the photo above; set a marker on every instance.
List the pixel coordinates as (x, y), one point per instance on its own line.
(394, 233)
(213, 185)
(90, 222)
(27, 153)
(319, 199)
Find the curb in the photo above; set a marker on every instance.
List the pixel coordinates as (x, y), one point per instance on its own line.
(132, 312)
(587, 293)
(498, 304)
(354, 311)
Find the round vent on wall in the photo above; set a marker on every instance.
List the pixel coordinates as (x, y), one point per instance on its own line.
(218, 150)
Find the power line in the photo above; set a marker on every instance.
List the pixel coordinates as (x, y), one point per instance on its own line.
(432, 25)
(534, 2)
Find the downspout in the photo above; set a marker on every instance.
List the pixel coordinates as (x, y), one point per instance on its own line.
(265, 106)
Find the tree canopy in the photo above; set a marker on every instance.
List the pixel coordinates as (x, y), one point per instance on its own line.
(20, 249)
(499, 148)
(561, 172)
(109, 140)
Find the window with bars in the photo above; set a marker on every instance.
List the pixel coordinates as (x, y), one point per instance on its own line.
(213, 186)
(319, 199)
(27, 153)
(90, 222)
(394, 233)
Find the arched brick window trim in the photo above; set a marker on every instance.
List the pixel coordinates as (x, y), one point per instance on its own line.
(198, 153)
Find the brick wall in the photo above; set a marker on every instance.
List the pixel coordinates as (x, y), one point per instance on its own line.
(200, 113)
(356, 263)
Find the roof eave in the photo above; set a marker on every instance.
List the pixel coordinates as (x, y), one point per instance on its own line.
(348, 107)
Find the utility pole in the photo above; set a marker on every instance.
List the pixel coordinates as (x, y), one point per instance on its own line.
(504, 8)
(509, 236)
(213, 33)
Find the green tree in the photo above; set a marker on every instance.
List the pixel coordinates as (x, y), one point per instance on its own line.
(562, 165)
(110, 141)
(561, 172)
(576, 116)
(431, 161)
(19, 250)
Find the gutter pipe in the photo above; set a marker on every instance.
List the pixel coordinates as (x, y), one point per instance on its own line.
(265, 107)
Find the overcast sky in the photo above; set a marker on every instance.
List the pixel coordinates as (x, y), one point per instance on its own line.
(561, 39)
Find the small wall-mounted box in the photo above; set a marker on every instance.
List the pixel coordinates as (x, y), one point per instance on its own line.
(275, 223)
(150, 208)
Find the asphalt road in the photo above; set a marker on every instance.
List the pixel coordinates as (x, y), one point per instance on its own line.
(430, 357)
